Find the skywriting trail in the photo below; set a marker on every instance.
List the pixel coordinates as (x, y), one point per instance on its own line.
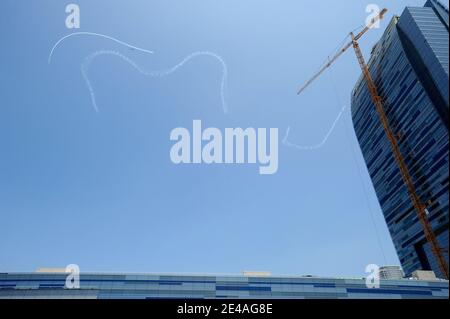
(95, 35)
(160, 73)
(317, 146)
(165, 72)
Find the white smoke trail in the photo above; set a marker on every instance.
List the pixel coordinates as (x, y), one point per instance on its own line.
(317, 146)
(97, 35)
(161, 73)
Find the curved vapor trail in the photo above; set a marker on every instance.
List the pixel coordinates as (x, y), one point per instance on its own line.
(317, 146)
(97, 35)
(161, 73)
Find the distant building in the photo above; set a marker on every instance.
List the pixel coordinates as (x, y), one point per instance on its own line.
(424, 275)
(391, 273)
(152, 286)
(410, 68)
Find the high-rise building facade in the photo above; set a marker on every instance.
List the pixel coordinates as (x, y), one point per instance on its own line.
(154, 286)
(410, 68)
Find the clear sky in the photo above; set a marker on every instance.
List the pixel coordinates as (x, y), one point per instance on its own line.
(99, 189)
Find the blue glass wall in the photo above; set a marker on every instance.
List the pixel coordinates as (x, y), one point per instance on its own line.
(410, 68)
(129, 286)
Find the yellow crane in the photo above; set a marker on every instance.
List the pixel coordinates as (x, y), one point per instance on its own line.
(420, 208)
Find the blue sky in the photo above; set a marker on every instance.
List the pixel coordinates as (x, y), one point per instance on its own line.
(99, 189)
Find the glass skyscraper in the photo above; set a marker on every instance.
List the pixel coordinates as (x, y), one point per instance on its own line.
(410, 68)
(155, 286)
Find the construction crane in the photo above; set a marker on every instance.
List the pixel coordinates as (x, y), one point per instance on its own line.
(420, 208)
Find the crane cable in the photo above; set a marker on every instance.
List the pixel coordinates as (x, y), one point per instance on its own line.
(339, 46)
(347, 133)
